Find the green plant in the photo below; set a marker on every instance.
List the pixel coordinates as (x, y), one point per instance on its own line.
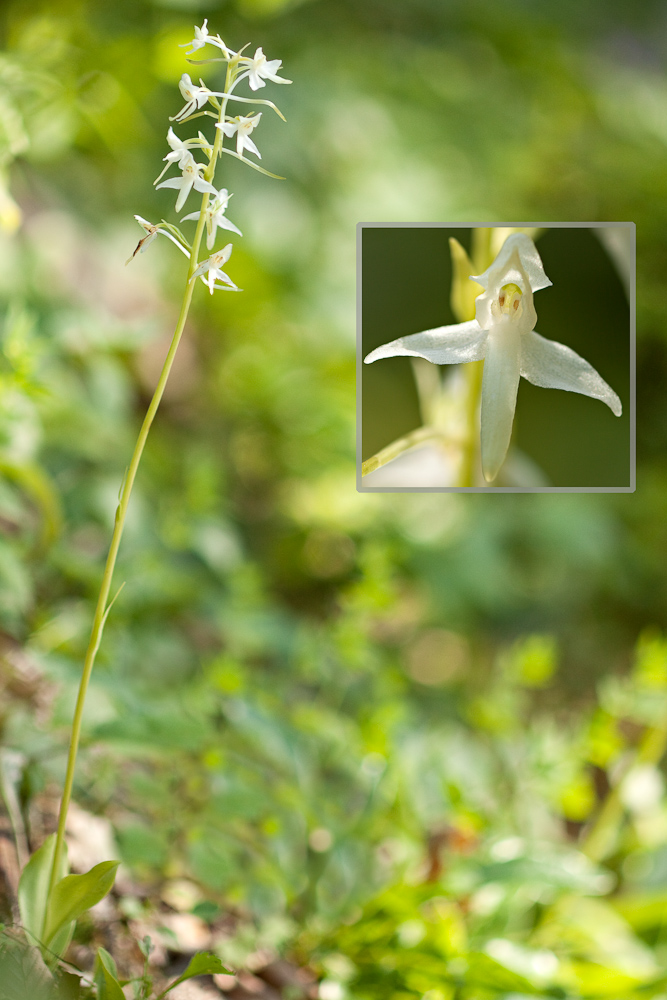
(50, 899)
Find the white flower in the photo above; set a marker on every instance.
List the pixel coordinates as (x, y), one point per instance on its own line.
(151, 232)
(203, 38)
(260, 69)
(243, 127)
(200, 39)
(180, 152)
(189, 179)
(195, 97)
(503, 334)
(212, 267)
(215, 216)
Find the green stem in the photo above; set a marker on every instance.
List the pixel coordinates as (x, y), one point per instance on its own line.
(102, 609)
(474, 372)
(397, 448)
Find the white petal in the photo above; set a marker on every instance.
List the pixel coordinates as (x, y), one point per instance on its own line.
(224, 277)
(185, 191)
(445, 345)
(224, 223)
(229, 128)
(173, 182)
(530, 259)
(499, 388)
(222, 256)
(174, 141)
(144, 223)
(202, 186)
(247, 142)
(554, 366)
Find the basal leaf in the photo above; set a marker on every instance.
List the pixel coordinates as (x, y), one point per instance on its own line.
(202, 964)
(59, 944)
(34, 887)
(106, 977)
(23, 973)
(75, 894)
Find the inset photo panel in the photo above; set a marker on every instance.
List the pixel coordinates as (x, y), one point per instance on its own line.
(496, 358)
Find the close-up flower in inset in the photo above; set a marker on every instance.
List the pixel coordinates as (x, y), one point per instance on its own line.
(503, 335)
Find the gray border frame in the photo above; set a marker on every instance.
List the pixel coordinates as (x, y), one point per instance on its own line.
(633, 362)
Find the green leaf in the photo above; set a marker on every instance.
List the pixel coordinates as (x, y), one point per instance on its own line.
(75, 894)
(595, 980)
(485, 972)
(59, 944)
(23, 973)
(106, 977)
(201, 964)
(34, 887)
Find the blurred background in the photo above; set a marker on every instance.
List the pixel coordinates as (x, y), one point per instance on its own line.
(366, 736)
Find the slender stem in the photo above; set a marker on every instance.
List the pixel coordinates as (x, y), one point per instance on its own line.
(474, 372)
(102, 609)
(397, 448)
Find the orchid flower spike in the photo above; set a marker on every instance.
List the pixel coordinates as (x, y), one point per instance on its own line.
(215, 216)
(503, 334)
(189, 179)
(212, 267)
(261, 69)
(195, 97)
(243, 126)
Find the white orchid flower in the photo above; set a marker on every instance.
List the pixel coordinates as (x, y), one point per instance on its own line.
(180, 152)
(195, 97)
(203, 38)
(199, 41)
(261, 69)
(151, 232)
(189, 179)
(503, 334)
(212, 268)
(243, 126)
(215, 216)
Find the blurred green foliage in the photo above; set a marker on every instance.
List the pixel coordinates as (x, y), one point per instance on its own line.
(375, 727)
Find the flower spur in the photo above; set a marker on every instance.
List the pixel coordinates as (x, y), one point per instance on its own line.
(503, 335)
